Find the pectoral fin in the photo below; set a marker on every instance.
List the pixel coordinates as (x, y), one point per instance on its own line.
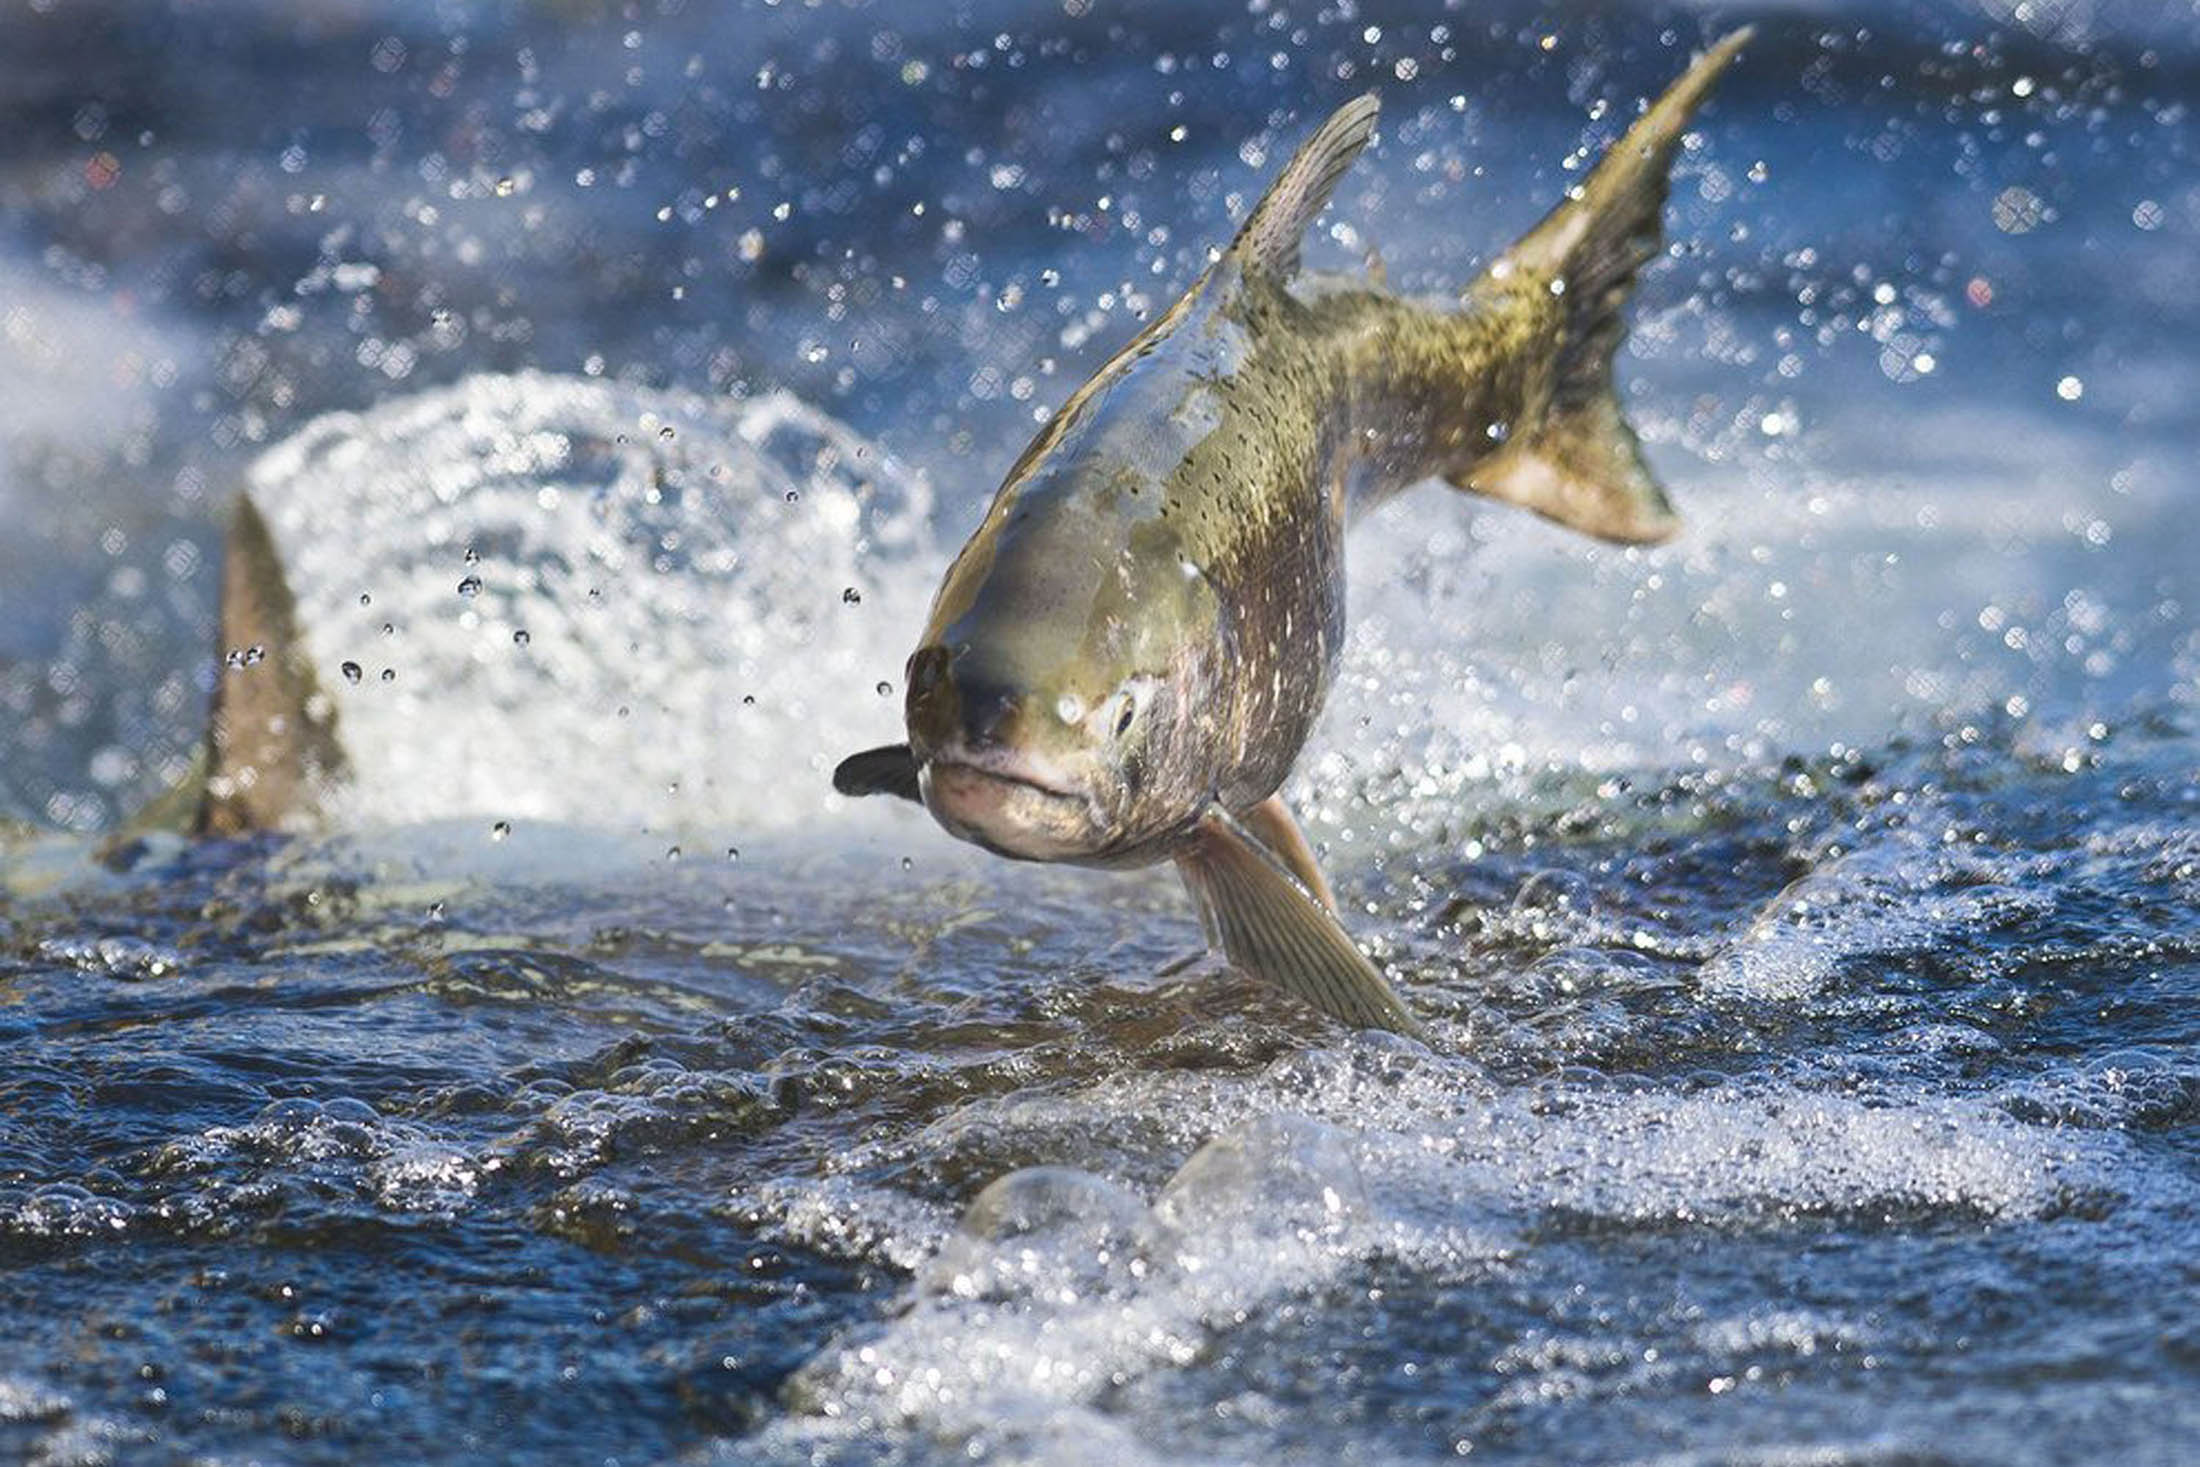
(890, 770)
(1270, 822)
(1269, 927)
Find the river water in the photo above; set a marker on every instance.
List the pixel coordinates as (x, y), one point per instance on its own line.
(1806, 914)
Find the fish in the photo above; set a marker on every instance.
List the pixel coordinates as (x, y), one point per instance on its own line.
(1124, 661)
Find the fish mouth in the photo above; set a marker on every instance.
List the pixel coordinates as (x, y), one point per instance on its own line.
(1012, 804)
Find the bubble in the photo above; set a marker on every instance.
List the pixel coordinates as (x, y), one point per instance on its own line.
(520, 638)
(500, 830)
(470, 587)
(851, 596)
(352, 673)
(885, 689)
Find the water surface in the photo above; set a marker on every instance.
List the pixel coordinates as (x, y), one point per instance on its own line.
(1804, 913)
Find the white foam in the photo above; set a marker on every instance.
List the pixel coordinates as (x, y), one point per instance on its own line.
(1900, 576)
(1906, 889)
(1061, 1288)
(676, 612)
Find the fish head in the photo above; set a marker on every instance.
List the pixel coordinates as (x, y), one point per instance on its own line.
(1052, 705)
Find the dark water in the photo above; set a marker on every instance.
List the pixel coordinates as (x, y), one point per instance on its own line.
(1806, 913)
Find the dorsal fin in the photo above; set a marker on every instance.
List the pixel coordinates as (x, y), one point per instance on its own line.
(271, 738)
(1269, 242)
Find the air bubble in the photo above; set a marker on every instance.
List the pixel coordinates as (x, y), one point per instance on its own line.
(353, 672)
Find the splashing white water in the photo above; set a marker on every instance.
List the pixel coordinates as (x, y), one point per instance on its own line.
(545, 598)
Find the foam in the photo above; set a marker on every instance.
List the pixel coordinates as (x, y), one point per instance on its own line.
(1805, 605)
(1908, 889)
(1061, 1288)
(604, 604)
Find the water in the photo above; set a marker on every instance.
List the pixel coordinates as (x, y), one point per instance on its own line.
(1805, 913)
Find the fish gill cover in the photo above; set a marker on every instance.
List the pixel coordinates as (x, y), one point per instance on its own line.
(1805, 912)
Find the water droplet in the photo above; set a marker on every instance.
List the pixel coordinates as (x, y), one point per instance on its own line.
(907, 864)
(672, 854)
(389, 674)
(886, 690)
(666, 433)
(520, 637)
(851, 596)
(352, 672)
(733, 853)
(748, 700)
(470, 587)
(473, 556)
(365, 599)
(500, 830)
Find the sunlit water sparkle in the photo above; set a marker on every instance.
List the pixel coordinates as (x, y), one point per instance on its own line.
(1805, 913)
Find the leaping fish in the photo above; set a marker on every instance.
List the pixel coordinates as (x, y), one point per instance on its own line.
(1125, 659)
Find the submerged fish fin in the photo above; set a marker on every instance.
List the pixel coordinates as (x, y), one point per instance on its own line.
(888, 770)
(1269, 242)
(1270, 928)
(272, 751)
(1271, 824)
(1581, 464)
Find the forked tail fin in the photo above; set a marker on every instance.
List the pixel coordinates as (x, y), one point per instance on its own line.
(1581, 464)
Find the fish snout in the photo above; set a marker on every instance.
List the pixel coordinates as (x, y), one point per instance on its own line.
(1011, 804)
(960, 705)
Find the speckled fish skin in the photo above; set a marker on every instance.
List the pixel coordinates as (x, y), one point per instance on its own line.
(1175, 535)
(1186, 522)
(1126, 658)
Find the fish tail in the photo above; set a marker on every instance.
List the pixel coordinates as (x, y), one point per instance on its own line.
(1579, 462)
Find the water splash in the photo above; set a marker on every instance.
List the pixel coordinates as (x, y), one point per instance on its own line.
(577, 600)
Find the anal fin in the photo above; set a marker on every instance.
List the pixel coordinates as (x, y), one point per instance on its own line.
(1273, 930)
